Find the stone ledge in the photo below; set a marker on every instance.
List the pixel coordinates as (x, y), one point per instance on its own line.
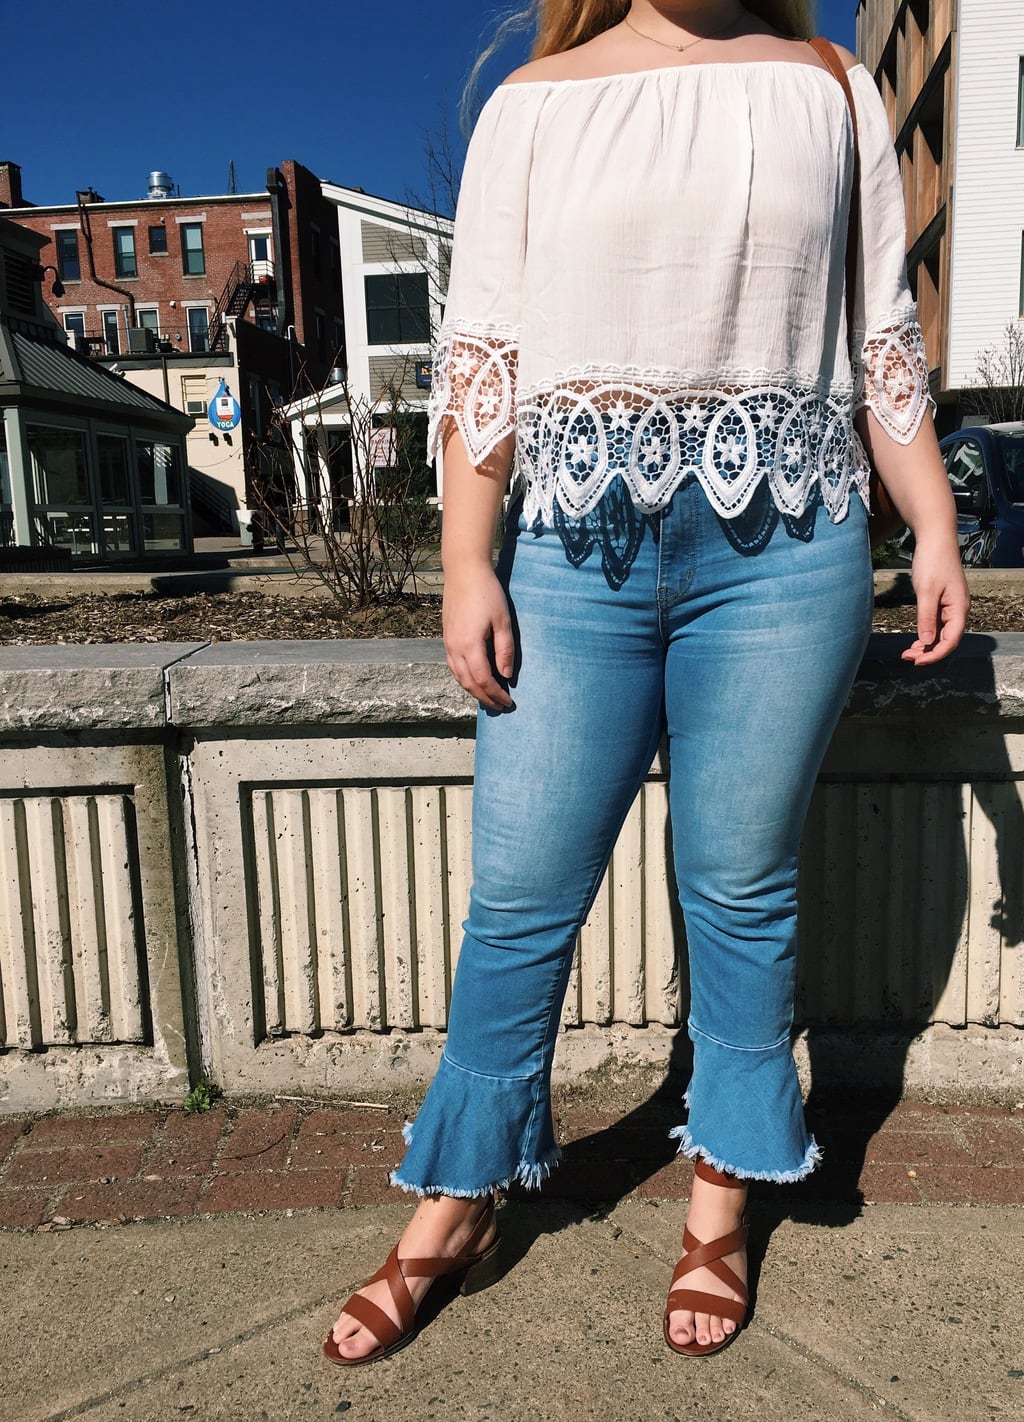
(392, 681)
(373, 682)
(102, 687)
(983, 678)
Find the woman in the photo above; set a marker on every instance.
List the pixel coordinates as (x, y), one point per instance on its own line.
(647, 307)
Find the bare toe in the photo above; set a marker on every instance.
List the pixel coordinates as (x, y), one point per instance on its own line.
(680, 1327)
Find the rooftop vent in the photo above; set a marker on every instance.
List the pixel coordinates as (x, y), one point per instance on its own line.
(160, 185)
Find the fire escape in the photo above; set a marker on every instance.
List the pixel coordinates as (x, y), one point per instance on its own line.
(249, 282)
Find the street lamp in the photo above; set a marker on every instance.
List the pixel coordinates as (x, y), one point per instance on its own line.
(58, 286)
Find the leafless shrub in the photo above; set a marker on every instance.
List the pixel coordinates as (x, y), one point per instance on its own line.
(366, 524)
(998, 395)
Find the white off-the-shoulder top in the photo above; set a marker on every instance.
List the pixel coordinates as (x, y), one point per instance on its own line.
(648, 284)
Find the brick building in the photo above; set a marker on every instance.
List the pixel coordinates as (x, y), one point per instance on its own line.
(162, 281)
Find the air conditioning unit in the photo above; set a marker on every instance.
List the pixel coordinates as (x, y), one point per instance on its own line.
(141, 340)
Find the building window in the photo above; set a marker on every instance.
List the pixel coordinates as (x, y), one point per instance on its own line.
(259, 247)
(58, 466)
(125, 264)
(193, 394)
(397, 309)
(148, 317)
(335, 258)
(198, 328)
(68, 263)
(339, 342)
(74, 322)
(111, 340)
(115, 482)
(193, 262)
(158, 241)
(321, 335)
(314, 238)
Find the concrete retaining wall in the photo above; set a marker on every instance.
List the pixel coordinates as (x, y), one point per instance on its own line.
(250, 861)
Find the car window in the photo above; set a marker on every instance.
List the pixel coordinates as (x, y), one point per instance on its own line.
(1011, 447)
(965, 466)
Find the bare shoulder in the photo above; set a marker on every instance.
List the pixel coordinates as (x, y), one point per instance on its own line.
(601, 55)
(849, 59)
(539, 70)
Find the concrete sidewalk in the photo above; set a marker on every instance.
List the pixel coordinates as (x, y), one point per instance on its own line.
(911, 1311)
(908, 1307)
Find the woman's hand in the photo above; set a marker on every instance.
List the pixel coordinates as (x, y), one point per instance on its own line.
(476, 625)
(942, 600)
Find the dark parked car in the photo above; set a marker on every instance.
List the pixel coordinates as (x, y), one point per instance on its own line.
(985, 464)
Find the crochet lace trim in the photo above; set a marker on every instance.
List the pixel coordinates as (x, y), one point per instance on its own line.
(732, 430)
(891, 376)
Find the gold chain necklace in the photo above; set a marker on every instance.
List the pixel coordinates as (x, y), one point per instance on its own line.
(666, 44)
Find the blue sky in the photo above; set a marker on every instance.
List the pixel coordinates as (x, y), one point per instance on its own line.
(100, 94)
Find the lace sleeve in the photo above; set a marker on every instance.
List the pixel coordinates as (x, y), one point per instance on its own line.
(476, 354)
(474, 385)
(890, 367)
(891, 374)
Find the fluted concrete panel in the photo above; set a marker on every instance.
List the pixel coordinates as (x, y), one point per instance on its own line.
(911, 903)
(69, 927)
(359, 894)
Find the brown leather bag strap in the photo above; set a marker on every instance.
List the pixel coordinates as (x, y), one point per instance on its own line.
(827, 50)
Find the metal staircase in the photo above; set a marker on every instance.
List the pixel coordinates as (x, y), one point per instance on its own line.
(235, 299)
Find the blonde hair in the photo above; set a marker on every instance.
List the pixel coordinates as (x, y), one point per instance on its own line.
(559, 25)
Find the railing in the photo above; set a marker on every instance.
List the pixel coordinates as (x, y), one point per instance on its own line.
(238, 284)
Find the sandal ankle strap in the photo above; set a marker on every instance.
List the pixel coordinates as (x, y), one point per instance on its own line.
(707, 1172)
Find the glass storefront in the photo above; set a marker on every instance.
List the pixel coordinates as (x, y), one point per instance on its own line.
(102, 493)
(160, 486)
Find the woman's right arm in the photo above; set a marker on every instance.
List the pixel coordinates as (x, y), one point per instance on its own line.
(478, 638)
(472, 401)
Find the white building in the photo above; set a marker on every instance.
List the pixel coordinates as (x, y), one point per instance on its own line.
(394, 271)
(951, 75)
(987, 257)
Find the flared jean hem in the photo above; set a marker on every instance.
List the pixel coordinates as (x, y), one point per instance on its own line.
(693, 1150)
(477, 1133)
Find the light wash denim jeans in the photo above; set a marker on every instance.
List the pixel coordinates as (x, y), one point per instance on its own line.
(745, 658)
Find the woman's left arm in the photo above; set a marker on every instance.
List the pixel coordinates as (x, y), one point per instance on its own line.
(915, 478)
(892, 403)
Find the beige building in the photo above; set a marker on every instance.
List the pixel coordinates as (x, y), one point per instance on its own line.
(951, 74)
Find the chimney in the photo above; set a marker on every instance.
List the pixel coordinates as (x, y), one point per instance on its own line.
(10, 186)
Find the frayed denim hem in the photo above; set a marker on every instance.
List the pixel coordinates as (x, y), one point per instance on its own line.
(691, 1149)
(527, 1175)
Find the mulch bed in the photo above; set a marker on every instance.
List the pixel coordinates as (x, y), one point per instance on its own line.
(239, 616)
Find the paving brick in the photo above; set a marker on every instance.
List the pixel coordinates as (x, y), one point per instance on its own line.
(589, 1180)
(993, 1141)
(133, 1199)
(9, 1133)
(273, 1190)
(923, 1116)
(259, 1140)
(384, 1148)
(67, 1132)
(371, 1185)
(335, 1122)
(915, 1147)
(188, 1143)
(33, 1167)
(971, 1185)
(671, 1182)
(23, 1209)
(889, 1185)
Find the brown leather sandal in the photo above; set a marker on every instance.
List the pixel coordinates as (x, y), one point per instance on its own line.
(709, 1256)
(472, 1272)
